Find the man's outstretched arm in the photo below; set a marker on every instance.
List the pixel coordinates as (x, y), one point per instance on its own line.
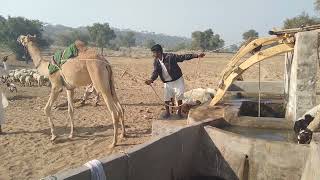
(181, 58)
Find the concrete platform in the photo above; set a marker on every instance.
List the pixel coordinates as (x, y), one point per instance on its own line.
(164, 127)
(205, 113)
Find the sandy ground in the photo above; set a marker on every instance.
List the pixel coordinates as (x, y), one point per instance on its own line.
(26, 151)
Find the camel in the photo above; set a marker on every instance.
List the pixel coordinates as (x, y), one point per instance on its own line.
(86, 68)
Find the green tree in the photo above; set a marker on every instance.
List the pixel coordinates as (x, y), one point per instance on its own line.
(181, 46)
(101, 35)
(301, 20)
(128, 40)
(250, 34)
(2, 19)
(12, 27)
(149, 43)
(78, 35)
(233, 48)
(67, 38)
(206, 40)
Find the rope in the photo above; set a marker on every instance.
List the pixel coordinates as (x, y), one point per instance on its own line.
(153, 89)
(259, 105)
(139, 78)
(168, 105)
(8, 55)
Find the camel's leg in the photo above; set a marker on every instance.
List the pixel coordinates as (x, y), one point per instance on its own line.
(114, 115)
(100, 78)
(123, 131)
(121, 110)
(70, 94)
(86, 95)
(97, 98)
(117, 102)
(47, 110)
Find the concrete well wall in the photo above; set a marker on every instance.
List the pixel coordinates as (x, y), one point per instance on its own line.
(224, 154)
(166, 157)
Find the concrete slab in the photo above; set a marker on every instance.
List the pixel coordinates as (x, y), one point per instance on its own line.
(206, 113)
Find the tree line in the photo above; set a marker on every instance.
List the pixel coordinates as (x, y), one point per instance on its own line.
(103, 36)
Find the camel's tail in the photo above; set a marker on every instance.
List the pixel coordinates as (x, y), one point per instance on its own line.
(113, 90)
(112, 86)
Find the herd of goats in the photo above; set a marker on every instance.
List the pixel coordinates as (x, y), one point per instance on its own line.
(26, 77)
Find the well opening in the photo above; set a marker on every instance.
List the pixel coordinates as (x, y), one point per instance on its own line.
(267, 109)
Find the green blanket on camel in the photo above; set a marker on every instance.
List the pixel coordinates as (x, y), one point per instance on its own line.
(60, 57)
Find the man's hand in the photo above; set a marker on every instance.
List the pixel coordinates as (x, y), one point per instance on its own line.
(148, 81)
(5, 58)
(201, 55)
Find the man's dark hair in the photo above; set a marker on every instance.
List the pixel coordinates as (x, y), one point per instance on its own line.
(156, 48)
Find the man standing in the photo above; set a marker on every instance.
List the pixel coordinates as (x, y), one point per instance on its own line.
(3, 100)
(166, 66)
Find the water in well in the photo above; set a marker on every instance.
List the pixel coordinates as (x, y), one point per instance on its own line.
(267, 109)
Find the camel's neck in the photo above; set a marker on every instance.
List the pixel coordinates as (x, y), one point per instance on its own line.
(38, 61)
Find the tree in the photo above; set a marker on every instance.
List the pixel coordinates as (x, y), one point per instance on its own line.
(101, 35)
(12, 27)
(67, 38)
(149, 43)
(233, 48)
(250, 34)
(181, 46)
(301, 20)
(206, 40)
(82, 36)
(2, 19)
(128, 40)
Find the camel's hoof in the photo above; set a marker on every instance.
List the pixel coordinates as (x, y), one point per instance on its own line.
(53, 137)
(112, 146)
(70, 136)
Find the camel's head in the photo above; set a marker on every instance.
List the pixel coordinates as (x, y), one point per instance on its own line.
(24, 40)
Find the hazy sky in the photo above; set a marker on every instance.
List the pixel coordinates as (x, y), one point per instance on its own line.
(229, 18)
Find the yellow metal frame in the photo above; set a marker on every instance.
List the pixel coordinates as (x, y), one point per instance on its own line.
(281, 44)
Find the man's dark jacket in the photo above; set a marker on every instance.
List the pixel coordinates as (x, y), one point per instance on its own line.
(171, 63)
